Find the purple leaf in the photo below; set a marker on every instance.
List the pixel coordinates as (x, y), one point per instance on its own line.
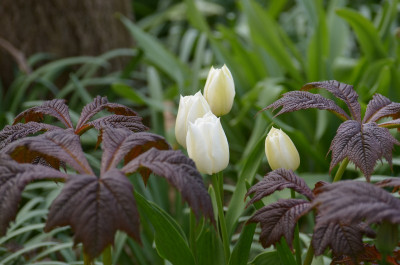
(278, 180)
(95, 209)
(342, 91)
(297, 100)
(56, 108)
(13, 179)
(132, 123)
(181, 172)
(279, 219)
(380, 107)
(363, 144)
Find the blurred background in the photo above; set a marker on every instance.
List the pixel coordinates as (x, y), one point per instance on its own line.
(146, 53)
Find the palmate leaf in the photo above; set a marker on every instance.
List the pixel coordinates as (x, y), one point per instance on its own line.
(342, 91)
(343, 239)
(380, 107)
(121, 143)
(56, 108)
(297, 100)
(59, 145)
(95, 209)
(181, 172)
(278, 180)
(99, 104)
(351, 202)
(389, 182)
(132, 123)
(363, 144)
(370, 255)
(21, 130)
(13, 179)
(279, 219)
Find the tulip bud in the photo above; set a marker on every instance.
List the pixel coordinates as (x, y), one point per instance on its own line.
(190, 108)
(280, 150)
(219, 90)
(207, 144)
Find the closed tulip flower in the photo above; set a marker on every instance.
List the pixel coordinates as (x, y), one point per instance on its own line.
(190, 108)
(219, 90)
(280, 150)
(207, 144)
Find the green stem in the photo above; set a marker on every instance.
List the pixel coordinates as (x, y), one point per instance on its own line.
(217, 182)
(296, 235)
(107, 257)
(192, 233)
(309, 256)
(86, 260)
(342, 168)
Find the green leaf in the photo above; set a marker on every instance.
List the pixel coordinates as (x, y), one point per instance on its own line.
(366, 33)
(209, 248)
(241, 251)
(128, 92)
(169, 238)
(267, 258)
(285, 254)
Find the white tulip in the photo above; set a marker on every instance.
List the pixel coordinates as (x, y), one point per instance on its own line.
(219, 90)
(280, 150)
(190, 108)
(207, 144)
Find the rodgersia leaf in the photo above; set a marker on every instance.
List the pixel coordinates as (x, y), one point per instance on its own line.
(352, 202)
(56, 108)
(278, 180)
(120, 143)
(99, 104)
(20, 130)
(95, 209)
(389, 182)
(342, 91)
(279, 219)
(343, 239)
(132, 123)
(180, 171)
(363, 144)
(61, 145)
(380, 107)
(297, 100)
(13, 179)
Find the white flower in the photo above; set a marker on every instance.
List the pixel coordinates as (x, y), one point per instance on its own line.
(207, 144)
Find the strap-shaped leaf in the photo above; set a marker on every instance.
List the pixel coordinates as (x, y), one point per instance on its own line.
(297, 100)
(99, 104)
(95, 209)
(380, 107)
(63, 145)
(13, 179)
(343, 239)
(279, 179)
(352, 202)
(279, 219)
(342, 91)
(363, 144)
(56, 108)
(11, 133)
(181, 172)
(120, 143)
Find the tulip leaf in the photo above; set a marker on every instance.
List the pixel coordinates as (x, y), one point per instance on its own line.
(209, 248)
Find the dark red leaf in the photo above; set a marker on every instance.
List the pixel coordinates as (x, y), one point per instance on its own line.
(63, 145)
(318, 186)
(380, 107)
(95, 209)
(363, 144)
(342, 91)
(10, 133)
(13, 179)
(56, 108)
(370, 254)
(99, 104)
(278, 180)
(279, 219)
(297, 100)
(181, 172)
(120, 143)
(389, 182)
(351, 202)
(132, 123)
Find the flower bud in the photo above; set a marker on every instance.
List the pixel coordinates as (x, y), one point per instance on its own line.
(219, 90)
(280, 150)
(190, 108)
(207, 144)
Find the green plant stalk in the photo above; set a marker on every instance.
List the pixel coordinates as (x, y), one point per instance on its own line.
(107, 257)
(86, 260)
(338, 177)
(217, 181)
(296, 235)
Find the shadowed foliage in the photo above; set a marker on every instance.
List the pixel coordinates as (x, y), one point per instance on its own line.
(370, 254)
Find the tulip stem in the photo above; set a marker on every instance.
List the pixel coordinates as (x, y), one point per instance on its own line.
(107, 259)
(296, 235)
(217, 181)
